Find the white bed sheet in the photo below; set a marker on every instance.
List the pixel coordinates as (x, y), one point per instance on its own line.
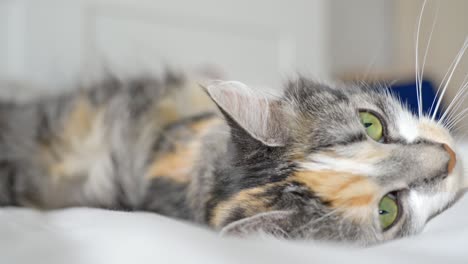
(93, 236)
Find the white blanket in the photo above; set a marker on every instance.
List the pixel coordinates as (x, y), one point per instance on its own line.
(96, 236)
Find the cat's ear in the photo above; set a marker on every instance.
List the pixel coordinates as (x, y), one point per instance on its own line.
(276, 223)
(258, 113)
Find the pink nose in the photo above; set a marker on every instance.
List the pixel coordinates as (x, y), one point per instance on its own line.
(453, 158)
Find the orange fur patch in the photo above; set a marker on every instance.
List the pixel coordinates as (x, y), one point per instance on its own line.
(203, 126)
(80, 120)
(431, 131)
(167, 111)
(354, 196)
(246, 200)
(349, 193)
(175, 165)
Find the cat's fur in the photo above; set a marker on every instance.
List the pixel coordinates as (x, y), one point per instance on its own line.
(295, 165)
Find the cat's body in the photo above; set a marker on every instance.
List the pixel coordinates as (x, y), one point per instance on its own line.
(124, 145)
(298, 165)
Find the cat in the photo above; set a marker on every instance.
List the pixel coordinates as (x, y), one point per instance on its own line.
(330, 162)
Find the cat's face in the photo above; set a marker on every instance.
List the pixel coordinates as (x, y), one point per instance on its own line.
(342, 163)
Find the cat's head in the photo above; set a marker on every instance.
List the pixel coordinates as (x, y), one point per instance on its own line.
(330, 162)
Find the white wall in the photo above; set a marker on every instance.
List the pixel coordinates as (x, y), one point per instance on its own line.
(360, 36)
(53, 42)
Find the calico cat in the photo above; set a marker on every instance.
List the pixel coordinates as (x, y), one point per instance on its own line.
(319, 161)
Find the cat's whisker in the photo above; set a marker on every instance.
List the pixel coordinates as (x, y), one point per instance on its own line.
(421, 73)
(418, 88)
(440, 86)
(460, 116)
(451, 118)
(453, 121)
(457, 101)
(459, 94)
(370, 66)
(461, 138)
(314, 221)
(452, 71)
(459, 128)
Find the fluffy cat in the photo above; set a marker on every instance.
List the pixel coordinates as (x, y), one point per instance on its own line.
(319, 161)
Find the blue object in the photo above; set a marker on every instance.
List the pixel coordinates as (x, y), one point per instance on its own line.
(407, 92)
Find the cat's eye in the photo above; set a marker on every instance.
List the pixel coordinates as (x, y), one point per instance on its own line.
(388, 211)
(372, 124)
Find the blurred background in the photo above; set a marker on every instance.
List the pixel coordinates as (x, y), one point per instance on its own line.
(54, 43)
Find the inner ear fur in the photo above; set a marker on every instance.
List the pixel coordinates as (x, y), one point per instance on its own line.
(258, 113)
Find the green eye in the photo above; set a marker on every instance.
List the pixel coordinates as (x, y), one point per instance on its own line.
(372, 125)
(388, 211)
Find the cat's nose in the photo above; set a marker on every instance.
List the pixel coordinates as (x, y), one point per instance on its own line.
(453, 158)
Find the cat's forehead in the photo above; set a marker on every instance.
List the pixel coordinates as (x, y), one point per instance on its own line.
(399, 121)
(335, 97)
(337, 106)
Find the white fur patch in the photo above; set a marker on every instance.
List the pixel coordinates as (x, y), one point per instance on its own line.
(322, 162)
(423, 205)
(407, 126)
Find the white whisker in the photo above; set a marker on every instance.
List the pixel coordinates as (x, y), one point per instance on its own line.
(460, 128)
(418, 88)
(421, 73)
(461, 138)
(457, 101)
(460, 116)
(370, 66)
(441, 83)
(314, 221)
(457, 61)
(463, 88)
